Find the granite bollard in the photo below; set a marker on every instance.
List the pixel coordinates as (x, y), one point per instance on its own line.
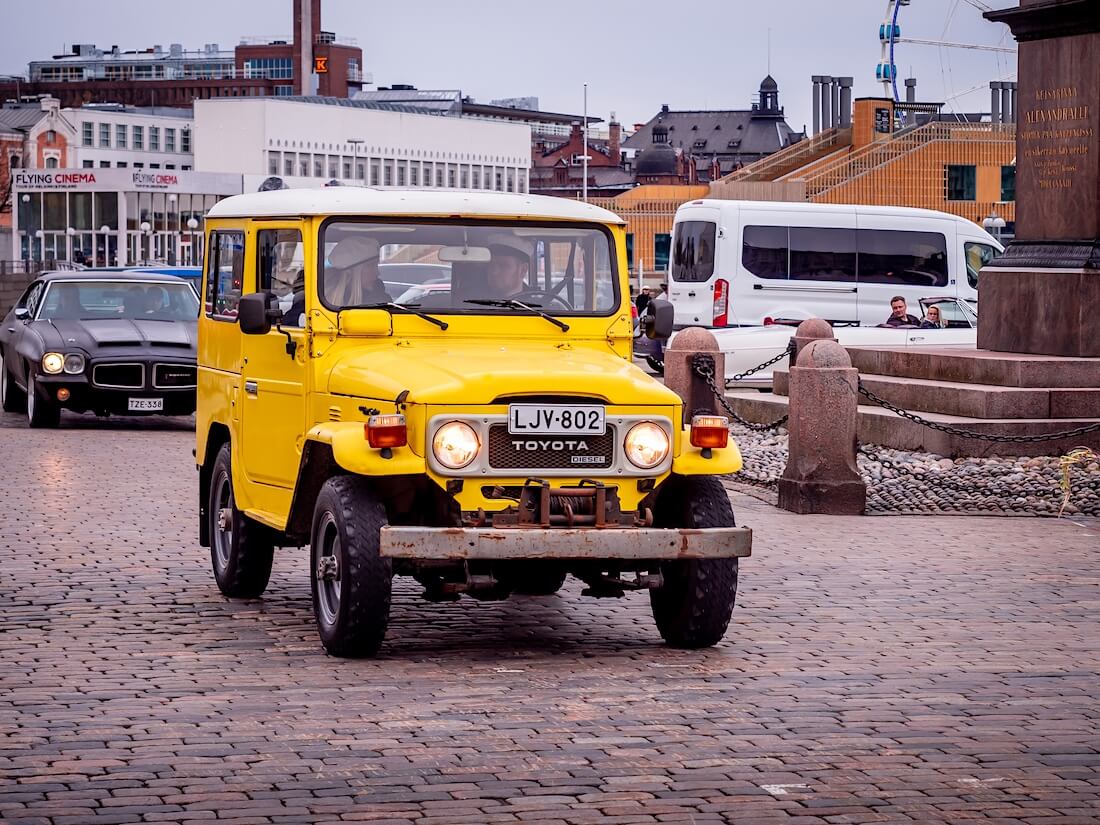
(682, 380)
(821, 474)
(812, 329)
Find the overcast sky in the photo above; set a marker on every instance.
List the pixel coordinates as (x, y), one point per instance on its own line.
(634, 56)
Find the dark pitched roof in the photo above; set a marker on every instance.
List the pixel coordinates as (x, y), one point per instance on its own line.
(716, 132)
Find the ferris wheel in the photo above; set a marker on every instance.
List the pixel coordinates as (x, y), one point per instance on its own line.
(889, 35)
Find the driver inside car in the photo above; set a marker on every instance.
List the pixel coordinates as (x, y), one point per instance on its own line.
(508, 265)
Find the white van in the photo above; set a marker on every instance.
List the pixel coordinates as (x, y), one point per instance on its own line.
(738, 263)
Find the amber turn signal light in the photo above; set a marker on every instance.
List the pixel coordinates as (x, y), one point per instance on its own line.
(62, 394)
(710, 431)
(386, 431)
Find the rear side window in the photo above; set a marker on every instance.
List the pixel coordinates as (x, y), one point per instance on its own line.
(225, 275)
(822, 254)
(903, 258)
(765, 252)
(977, 256)
(693, 251)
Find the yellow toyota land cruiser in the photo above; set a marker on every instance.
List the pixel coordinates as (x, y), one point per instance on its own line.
(439, 384)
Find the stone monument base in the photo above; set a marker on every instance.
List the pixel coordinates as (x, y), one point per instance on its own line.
(1040, 311)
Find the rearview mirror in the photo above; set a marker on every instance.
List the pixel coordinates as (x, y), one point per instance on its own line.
(457, 254)
(22, 313)
(659, 319)
(255, 313)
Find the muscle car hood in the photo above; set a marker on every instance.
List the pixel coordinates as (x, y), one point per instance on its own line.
(102, 334)
(460, 372)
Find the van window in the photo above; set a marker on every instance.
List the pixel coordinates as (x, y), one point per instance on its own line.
(764, 252)
(977, 256)
(693, 251)
(903, 258)
(822, 253)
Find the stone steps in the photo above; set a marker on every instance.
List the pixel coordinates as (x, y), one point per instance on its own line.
(974, 366)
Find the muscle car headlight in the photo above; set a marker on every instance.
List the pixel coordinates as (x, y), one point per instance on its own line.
(646, 445)
(53, 362)
(74, 363)
(455, 445)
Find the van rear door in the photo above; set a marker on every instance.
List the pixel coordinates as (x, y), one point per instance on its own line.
(693, 261)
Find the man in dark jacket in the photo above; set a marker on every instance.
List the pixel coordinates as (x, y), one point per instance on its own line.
(642, 301)
(899, 314)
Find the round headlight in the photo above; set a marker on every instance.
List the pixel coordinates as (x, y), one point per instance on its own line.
(74, 363)
(455, 445)
(53, 362)
(646, 445)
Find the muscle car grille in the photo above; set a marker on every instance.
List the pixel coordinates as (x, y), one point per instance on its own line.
(173, 376)
(509, 452)
(119, 376)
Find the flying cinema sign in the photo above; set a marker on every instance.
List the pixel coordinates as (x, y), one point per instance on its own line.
(123, 180)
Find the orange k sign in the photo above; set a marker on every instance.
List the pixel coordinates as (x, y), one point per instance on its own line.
(320, 65)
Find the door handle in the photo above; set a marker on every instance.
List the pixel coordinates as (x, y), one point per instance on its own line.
(252, 388)
(691, 294)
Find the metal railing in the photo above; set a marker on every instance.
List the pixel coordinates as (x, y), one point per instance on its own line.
(791, 157)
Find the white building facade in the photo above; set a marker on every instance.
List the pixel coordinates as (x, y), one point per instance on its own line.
(119, 137)
(308, 142)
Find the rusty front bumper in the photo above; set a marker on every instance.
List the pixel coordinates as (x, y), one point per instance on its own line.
(628, 544)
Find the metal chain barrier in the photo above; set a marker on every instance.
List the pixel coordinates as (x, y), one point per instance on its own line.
(784, 354)
(702, 364)
(998, 439)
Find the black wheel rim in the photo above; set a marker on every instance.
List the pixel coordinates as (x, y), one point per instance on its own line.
(223, 521)
(327, 571)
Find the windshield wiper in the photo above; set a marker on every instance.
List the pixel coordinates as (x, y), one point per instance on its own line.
(406, 308)
(512, 303)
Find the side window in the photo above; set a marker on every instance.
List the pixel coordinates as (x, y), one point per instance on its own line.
(977, 256)
(280, 271)
(904, 258)
(32, 298)
(823, 254)
(225, 275)
(764, 252)
(693, 251)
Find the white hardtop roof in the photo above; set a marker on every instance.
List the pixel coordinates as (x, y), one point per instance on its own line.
(360, 200)
(848, 208)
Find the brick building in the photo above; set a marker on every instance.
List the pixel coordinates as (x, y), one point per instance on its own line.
(32, 136)
(558, 168)
(313, 61)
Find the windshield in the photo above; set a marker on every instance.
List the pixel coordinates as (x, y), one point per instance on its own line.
(107, 300)
(457, 268)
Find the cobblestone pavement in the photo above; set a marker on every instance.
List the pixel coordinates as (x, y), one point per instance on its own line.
(878, 670)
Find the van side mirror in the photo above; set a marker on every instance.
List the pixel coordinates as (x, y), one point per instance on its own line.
(255, 313)
(659, 318)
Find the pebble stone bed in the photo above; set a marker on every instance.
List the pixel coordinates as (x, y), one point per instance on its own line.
(933, 484)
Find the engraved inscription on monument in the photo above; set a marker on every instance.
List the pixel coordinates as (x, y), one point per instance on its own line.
(1055, 135)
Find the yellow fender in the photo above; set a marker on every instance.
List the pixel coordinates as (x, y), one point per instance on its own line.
(691, 461)
(351, 451)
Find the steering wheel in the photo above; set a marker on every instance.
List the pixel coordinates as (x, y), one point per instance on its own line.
(542, 296)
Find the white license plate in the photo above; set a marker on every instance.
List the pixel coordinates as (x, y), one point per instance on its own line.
(556, 419)
(146, 404)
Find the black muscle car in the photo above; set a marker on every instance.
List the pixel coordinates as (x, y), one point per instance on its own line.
(115, 343)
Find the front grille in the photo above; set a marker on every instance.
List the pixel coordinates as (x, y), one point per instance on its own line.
(557, 452)
(119, 376)
(173, 376)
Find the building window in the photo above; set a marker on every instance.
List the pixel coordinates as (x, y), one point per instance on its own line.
(275, 68)
(347, 169)
(185, 168)
(51, 136)
(400, 174)
(104, 164)
(120, 164)
(284, 90)
(51, 163)
(272, 163)
(629, 250)
(439, 176)
(361, 170)
(154, 166)
(333, 166)
(139, 137)
(318, 166)
(105, 135)
(374, 174)
(962, 182)
(185, 140)
(387, 174)
(169, 140)
(414, 175)
(120, 136)
(87, 164)
(288, 163)
(88, 134)
(154, 138)
(139, 165)
(1008, 183)
(169, 166)
(662, 243)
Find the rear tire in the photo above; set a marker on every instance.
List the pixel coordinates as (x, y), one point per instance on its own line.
(12, 399)
(41, 412)
(241, 550)
(350, 581)
(694, 605)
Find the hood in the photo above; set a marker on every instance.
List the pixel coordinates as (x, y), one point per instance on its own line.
(122, 332)
(461, 372)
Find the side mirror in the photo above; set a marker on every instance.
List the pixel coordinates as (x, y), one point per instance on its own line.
(22, 314)
(659, 319)
(255, 313)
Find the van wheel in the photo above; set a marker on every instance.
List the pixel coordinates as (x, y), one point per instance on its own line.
(12, 399)
(41, 411)
(351, 581)
(694, 605)
(241, 550)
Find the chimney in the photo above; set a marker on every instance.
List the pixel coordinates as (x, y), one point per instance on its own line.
(615, 131)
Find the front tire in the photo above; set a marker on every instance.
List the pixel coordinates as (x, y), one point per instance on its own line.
(241, 550)
(41, 412)
(12, 399)
(694, 605)
(351, 582)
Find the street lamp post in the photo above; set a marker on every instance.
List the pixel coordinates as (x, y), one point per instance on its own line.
(994, 224)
